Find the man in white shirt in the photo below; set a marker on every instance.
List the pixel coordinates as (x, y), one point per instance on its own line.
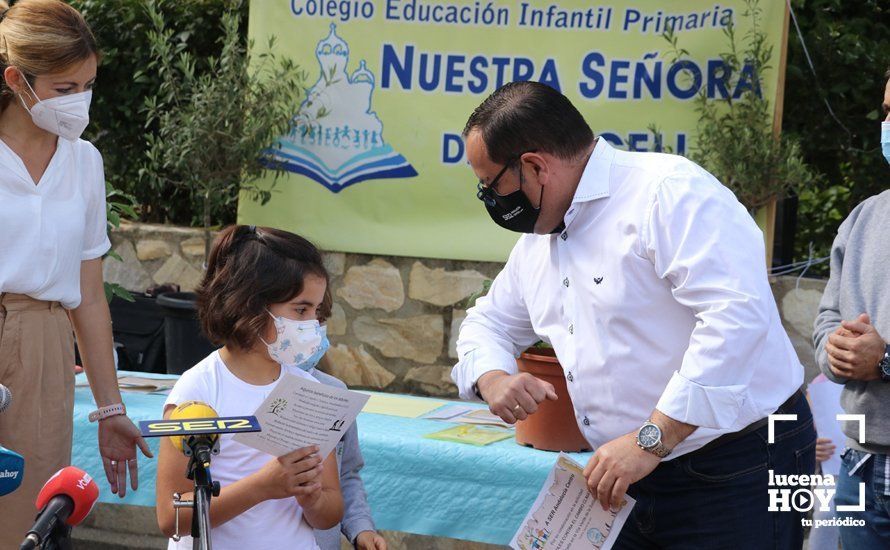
(648, 278)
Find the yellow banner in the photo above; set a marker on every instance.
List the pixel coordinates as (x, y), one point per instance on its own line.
(375, 160)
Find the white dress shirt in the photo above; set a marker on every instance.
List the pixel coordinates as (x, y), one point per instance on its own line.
(655, 296)
(47, 229)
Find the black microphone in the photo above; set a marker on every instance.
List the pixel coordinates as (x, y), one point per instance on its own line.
(57, 511)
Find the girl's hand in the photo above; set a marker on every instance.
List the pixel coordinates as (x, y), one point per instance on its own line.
(824, 449)
(295, 474)
(370, 540)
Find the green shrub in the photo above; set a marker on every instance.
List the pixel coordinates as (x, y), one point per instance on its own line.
(207, 128)
(734, 136)
(850, 48)
(117, 116)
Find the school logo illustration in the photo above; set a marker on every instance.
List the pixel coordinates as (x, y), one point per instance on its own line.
(336, 138)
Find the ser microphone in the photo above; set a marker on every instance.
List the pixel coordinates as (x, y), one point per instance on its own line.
(66, 499)
(193, 427)
(201, 445)
(12, 469)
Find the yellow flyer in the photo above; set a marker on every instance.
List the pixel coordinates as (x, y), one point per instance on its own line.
(472, 435)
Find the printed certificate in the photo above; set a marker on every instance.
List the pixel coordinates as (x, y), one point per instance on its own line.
(565, 515)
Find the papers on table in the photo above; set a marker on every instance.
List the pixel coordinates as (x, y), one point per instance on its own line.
(299, 413)
(139, 384)
(825, 399)
(394, 405)
(449, 412)
(481, 416)
(566, 517)
(463, 414)
(145, 385)
(472, 435)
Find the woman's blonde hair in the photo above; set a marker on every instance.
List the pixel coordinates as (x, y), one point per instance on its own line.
(41, 37)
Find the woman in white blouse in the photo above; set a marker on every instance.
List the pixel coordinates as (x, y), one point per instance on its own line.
(52, 238)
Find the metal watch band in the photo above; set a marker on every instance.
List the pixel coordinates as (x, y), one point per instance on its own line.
(659, 450)
(108, 411)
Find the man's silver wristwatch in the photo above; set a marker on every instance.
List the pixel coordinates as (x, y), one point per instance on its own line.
(649, 439)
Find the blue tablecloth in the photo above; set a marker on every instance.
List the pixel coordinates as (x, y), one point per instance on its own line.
(414, 484)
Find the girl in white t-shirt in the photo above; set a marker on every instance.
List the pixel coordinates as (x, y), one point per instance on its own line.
(260, 300)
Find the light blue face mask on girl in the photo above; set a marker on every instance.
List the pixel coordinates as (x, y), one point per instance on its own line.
(885, 139)
(298, 344)
(309, 364)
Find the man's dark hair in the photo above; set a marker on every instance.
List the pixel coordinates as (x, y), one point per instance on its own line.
(525, 116)
(249, 269)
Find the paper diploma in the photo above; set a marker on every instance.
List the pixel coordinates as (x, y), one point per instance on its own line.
(825, 397)
(299, 413)
(566, 517)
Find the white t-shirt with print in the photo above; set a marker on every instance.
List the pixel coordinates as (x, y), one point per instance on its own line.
(47, 229)
(270, 524)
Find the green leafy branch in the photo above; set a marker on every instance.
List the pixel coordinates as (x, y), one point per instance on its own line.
(117, 203)
(735, 139)
(207, 131)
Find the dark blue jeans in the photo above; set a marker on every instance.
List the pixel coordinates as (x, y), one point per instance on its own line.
(718, 499)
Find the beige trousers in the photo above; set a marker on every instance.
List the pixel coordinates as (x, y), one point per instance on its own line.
(37, 365)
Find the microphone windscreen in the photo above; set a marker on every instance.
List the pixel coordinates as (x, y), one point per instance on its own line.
(190, 410)
(12, 469)
(5, 397)
(75, 484)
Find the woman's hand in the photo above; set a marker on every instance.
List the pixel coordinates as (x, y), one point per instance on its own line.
(824, 449)
(296, 474)
(118, 439)
(370, 540)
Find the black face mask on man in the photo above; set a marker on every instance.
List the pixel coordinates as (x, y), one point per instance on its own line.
(512, 211)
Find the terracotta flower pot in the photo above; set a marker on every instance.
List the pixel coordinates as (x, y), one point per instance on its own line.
(553, 426)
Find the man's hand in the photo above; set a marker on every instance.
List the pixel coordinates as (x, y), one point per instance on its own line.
(370, 540)
(855, 349)
(513, 396)
(615, 466)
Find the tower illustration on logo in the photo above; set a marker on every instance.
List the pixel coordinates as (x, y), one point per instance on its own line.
(336, 138)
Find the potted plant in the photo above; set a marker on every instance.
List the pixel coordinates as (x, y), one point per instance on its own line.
(207, 124)
(553, 427)
(738, 136)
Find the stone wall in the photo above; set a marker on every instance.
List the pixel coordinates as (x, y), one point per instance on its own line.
(395, 319)
(798, 303)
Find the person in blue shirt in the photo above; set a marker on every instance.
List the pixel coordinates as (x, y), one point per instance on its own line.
(357, 525)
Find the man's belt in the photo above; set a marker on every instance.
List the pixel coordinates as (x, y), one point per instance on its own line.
(730, 437)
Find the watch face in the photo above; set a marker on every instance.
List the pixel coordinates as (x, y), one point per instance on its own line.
(649, 436)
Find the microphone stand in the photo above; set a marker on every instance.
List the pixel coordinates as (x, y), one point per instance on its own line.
(205, 489)
(59, 539)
